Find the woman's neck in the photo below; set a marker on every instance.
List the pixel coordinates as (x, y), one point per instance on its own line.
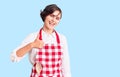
(47, 30)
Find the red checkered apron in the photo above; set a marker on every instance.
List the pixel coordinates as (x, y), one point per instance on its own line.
(50, 57)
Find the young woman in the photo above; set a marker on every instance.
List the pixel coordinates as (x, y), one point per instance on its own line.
(47, 48)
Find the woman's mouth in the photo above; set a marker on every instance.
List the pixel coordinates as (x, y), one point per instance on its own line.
(52, 23)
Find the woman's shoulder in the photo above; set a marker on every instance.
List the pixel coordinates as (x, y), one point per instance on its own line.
(30, 37)
(33, 34)
(62, 36)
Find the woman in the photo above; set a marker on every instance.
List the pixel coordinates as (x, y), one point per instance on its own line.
(47, 49)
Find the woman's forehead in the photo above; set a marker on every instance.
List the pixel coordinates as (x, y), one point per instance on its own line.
(56, 13)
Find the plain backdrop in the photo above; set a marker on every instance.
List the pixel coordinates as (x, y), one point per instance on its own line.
(92, 29)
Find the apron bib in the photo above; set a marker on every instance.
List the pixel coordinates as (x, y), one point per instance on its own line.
(50, 58)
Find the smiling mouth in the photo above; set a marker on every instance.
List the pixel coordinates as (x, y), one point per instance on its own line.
(52, 23)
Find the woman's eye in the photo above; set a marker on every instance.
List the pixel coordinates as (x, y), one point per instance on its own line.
(57, 18)
(52, 15)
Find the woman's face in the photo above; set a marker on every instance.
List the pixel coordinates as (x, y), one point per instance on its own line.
(52, 20)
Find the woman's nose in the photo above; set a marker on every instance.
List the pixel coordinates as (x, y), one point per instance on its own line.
(54, 18)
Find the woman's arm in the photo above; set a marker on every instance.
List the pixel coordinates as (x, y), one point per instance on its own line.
(66, 59)
(35, 44)
(32, 41)
(22, 51)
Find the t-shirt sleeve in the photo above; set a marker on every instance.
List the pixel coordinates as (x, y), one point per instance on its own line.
(66, 58)
(30, 38)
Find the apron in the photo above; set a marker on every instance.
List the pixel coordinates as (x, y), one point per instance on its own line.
(50, 58)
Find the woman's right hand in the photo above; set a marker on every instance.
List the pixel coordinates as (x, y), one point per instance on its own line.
(37, 43)
(38, 68)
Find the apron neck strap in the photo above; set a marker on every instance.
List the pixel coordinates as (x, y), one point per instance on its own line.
(57, 36)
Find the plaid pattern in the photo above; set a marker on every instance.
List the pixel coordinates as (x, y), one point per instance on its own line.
(50, 57)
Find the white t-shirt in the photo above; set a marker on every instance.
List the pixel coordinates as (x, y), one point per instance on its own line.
(47, 38)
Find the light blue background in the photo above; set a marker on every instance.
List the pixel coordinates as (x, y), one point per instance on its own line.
(92, 28)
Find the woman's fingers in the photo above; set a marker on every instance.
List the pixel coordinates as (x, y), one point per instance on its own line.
(38, 68)
(38, 43)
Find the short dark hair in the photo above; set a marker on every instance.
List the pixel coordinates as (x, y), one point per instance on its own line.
(49, 9)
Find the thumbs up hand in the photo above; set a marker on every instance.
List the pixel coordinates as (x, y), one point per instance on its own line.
(37, 43)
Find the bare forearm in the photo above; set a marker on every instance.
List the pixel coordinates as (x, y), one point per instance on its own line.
(22, 51)
(35, 44)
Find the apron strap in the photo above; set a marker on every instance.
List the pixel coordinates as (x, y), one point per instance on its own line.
(57, 36)
(40, 33)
